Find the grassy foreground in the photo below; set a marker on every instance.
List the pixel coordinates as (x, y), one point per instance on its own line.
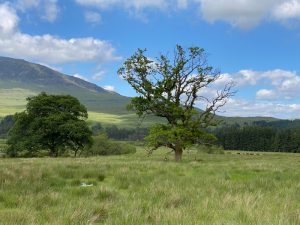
(203, 189)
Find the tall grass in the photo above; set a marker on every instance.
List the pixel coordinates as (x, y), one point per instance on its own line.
(136, 189)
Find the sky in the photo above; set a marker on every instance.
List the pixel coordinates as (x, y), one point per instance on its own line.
(255, 43)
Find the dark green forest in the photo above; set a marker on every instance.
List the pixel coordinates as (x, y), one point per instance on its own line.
(274, 136)
(277, 136)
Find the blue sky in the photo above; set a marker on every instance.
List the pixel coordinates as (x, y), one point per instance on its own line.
(255, 43)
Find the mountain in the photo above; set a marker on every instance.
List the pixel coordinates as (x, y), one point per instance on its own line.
(19, 77)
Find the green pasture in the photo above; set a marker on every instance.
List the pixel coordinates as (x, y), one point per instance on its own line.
(14, 100)
(208, 189)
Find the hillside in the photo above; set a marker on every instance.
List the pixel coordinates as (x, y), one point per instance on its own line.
(20, 79)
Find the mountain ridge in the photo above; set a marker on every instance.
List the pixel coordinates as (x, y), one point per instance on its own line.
(19, 73)
(20, 79)
(24, 70)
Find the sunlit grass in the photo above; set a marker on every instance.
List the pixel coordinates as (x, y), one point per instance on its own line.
(124, 120)
(137, 189)
(14, 100)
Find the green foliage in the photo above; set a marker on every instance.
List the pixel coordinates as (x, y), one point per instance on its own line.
(257, 138)
(168, 136)
(97, 128)
(50, 122)
(169, 88)
(128, 134)
(5, 124)
(103, 146)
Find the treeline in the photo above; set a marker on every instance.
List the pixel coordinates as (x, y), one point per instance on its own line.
(5, 124)
(285, 124)
(113, 132)
(124, 134)
(278, 136)
(268, 138)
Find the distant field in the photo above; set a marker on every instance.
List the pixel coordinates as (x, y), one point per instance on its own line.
(126, 120)
(231, 189)
(13, 100)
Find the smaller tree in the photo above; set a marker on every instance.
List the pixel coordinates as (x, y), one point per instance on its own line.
(169, 87)
(50, 122)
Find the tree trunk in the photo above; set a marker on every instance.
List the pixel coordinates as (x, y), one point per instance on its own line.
(53, 152)
(178, 154)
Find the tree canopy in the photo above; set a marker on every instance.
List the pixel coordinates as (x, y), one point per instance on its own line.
(50, 122)
(169, 87)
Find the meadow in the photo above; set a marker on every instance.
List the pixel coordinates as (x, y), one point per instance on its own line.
(209, 189)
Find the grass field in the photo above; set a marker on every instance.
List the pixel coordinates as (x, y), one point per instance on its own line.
(136, 189)
(102, 109)
(14, 100)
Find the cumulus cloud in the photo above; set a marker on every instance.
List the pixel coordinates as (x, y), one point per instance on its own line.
(278, 95)
(109, 88)
(247, 14)
(127, 4)
(265, 94)
(137, 7)
(48, 9)
(287, 10)
(243, 14)
(92, 17)
(237, 107)
(48, 48)
(9, 20)
(51, 10)
(250, 77)
(239, 13)
(284, 84)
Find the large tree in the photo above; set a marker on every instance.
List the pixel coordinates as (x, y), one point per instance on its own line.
(169, 87)
(50, 122)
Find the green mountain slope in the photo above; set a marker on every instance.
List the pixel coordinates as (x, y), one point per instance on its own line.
(20, 79)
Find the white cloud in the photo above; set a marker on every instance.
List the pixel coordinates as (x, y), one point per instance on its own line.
(27, 4)
(48, 48)
(239, 13)
(48, 9)
(287, 10)
(265, 94)
(127, 4)
(51, 10)
(92, 17)
(243, 14)
(278, 95)
(137, 8)
(247, 14)
(80, 77)
(284, 84)
(236, 107)
(250, 77)
(98, 75)
(109, 88)
(8, 21)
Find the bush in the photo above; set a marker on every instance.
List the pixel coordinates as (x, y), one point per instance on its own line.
(210, 149)
(103, 146)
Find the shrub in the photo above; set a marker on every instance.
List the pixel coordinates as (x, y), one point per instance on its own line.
(103, 146)
(210, 149)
